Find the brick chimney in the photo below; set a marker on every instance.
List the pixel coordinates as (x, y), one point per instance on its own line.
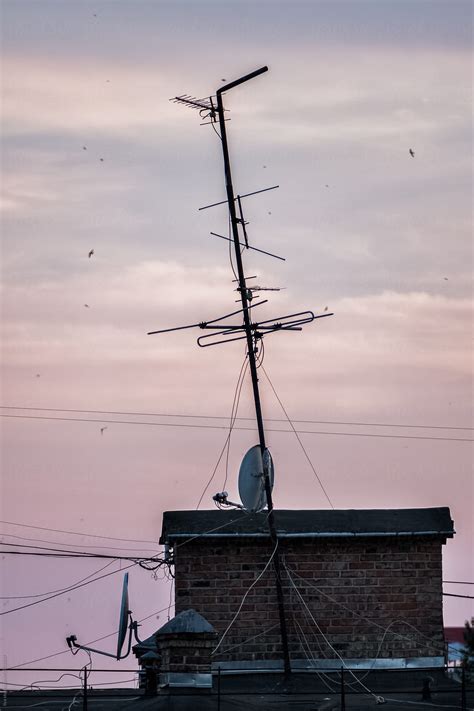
(185, 644)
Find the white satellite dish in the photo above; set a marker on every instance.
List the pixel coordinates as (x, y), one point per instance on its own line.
(124, 614)
(251, 478)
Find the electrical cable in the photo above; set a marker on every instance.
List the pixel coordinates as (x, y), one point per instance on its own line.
(50, 592)
(93, 641)
(59, 543)
(299, 440)
(233, 414)
(74, 533)
(61, 553)
(237, 391)
(99, 639)
(249, 639)
(50, 597)
(243, 600)
(467, 597)
(43, 681)
(456, 582)
(217, 528)
(424, 704)
(378, 699)
(244, 429)
(437, 645)
(223, 417)
(311, 659)
(216, 131)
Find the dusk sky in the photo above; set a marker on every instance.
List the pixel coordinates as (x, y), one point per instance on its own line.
(96, 157)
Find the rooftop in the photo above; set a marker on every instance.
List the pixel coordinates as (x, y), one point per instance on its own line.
(307, 523)
(400, 690)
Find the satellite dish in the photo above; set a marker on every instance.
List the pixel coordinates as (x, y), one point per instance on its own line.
(124, 626)
(251, 479)
(124, 612)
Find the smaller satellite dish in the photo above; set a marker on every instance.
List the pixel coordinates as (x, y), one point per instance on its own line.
(124, 611)
(251, 479)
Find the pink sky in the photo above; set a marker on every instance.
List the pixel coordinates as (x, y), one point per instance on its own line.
(387, 246)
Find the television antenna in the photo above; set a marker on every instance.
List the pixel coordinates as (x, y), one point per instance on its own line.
(258, 493)
(126, 622)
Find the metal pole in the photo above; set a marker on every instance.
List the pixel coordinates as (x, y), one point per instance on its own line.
(218, 688)
(84, 702)
(343, 691)
(251, 356)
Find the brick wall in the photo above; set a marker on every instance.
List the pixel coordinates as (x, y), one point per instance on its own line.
(353, 588)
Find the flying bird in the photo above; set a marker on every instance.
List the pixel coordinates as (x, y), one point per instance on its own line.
(86, 306)
(326, 308)
(84, 148)
(445, 278)
(101, 160)
(102, 430)
(91, 253)
(412, 152)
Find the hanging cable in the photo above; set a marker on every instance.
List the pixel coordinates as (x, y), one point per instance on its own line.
(50, 597)
(378, 699)
(244, 598)
(51, 592)
(245, 429)
(223, 417)
(233, 415)
(237, 391)
(73, 533)
(299, 440)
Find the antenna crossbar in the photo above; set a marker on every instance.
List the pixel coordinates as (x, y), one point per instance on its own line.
(193, 103)
(247, 246)
(205, 324)
(224, 202)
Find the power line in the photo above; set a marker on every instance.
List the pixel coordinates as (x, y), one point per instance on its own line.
(50, 597)
(299, 440)
(59, 543)
(224, 417)
(80, 554)
(225, 427)
(456, 582)
(467, 597)
(93, 641)
(50, 592)
(74, 533)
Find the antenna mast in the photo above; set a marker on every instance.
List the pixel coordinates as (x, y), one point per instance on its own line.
(253, 332)
(251, 348)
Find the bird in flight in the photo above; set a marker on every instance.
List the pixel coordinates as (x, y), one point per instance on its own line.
(86, 306)
(102, 430)
(412, 152)
(91, 253)
(84, 148)
(326, 308)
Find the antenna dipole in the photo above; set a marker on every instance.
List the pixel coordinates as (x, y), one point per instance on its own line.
(251, 340)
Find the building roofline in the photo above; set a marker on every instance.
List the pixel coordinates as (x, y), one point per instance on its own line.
(308, 524)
